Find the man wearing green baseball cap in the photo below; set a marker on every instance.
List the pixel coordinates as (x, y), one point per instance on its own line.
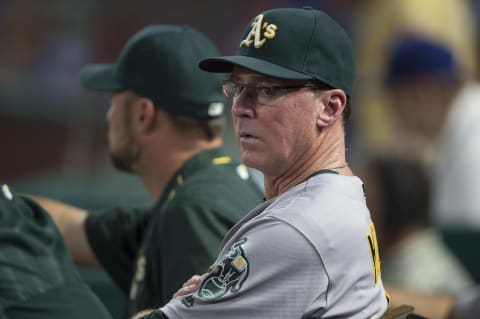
(310, 250)
(166, 125)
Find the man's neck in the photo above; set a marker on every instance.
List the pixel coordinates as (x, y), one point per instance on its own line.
(159, 168)
(329, 154)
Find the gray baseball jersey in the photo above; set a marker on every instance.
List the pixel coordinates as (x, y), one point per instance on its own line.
(309, 253)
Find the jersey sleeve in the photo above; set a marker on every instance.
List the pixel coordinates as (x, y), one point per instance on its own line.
(185, 243)
(115, 236)
(252, 272)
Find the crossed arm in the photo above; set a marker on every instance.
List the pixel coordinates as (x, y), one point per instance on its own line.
(188, 287)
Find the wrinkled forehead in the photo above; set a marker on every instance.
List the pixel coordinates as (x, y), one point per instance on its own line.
(245, 75)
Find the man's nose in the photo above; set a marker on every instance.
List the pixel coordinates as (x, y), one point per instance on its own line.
(108, 114)
(244, 105)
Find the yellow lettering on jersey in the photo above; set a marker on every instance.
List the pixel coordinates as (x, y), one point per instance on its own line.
(373, 245)
(255, 34)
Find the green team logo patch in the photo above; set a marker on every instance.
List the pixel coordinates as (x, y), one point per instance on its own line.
(229, 274)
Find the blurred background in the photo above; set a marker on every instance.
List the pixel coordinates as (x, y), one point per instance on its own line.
(54, 131)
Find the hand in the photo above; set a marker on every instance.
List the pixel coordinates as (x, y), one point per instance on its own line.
(190, 285)
(142, 313)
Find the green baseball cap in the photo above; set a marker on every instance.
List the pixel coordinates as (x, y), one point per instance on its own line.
(295, 44)
(160, 62)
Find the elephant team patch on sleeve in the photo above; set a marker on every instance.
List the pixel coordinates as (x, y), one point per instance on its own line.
(228, 274)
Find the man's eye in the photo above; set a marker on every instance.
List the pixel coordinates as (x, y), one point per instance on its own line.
(267, 91)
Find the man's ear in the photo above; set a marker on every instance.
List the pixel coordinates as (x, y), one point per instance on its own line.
(145, 115)
(333, 102)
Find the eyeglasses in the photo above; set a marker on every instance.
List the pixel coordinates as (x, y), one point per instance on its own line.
(262, 94)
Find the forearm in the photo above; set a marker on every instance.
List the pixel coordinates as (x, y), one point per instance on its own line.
(70, 220)
(150, 314)
(430, 305)
(188, 287)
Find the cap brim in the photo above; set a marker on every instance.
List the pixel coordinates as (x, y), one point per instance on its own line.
(225, 64)
(100, 77)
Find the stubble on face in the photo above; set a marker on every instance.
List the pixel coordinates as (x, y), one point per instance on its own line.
(126, 152)
(124, 158)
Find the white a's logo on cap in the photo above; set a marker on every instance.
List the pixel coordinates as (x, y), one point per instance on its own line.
(215, 109)
(259, 29)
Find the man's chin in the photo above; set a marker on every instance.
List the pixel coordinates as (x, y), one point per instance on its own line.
(123, 165)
